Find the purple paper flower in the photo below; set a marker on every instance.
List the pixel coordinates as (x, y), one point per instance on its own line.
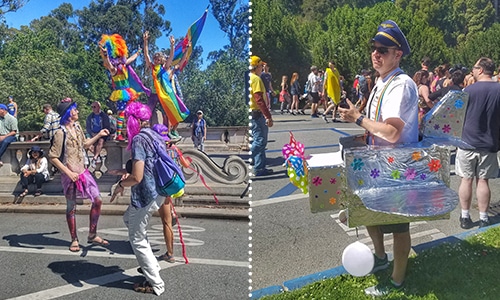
(446, 128)
(410, 174)
(317, 180)
(423, 176)
(375, 173)
(436, 127)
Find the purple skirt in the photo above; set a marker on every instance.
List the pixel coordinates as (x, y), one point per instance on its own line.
(84, 188)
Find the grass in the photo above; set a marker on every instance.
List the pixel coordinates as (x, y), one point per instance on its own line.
(466, 269)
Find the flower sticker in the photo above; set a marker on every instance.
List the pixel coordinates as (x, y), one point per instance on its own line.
(410, 174)
(361, 182)
(357, 164)
(390, 159)
(416, 156)
(423, 176)
(317, 180)
(436, 127)
(375, 173)
(333, 201)
(338, 192)
(446, 128)
(459, 104)
(333, 180)
(434, 165)
(396, 174)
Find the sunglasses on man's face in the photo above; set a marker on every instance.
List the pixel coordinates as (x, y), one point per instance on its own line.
(382, 50)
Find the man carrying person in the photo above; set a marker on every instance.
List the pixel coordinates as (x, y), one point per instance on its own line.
(392, 119)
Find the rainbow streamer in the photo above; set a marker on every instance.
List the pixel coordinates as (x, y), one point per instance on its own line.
(194, 32)
(171, 103)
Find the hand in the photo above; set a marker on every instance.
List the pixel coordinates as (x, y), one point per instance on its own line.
(145, 35)
(172, 40)
(269, 122)
(73, 176)
(350, 114)
(103, 132)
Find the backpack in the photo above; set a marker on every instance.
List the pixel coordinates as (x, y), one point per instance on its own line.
(169, 178)
(307, 88)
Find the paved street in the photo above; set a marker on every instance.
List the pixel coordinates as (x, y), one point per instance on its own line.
(288, 241)
(36, 263)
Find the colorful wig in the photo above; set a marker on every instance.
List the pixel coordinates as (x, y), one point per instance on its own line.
(162, 130)
(65, 118)
(136, 112)
(115, 46)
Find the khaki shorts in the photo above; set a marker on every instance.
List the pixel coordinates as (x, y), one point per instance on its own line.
(480, 164)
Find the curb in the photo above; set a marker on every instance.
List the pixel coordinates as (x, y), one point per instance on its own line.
(114, 209)
(337, 271)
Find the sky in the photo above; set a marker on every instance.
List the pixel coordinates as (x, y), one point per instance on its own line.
(180, 13)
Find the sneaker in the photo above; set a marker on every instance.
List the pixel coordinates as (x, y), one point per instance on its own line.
(380, 264)
(466, 223)
(484, 223)
(314, 116)
(383, 289)
(303, 112)
(293, 113)
(120, 138)
(264, 172)
(324, 118)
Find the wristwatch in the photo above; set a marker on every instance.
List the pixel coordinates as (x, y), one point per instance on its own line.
(359, 120)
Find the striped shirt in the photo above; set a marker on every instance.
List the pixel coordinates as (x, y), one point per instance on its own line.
(50, 124)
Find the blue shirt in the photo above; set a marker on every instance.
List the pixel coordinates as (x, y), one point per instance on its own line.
(143, 150)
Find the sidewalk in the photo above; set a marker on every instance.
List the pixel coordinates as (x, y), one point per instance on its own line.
(302, 281)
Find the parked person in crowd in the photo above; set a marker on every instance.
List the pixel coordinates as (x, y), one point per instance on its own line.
(50, 123)
(314, 82)
(144, 198)
(323, 99)
(67, 155)
(482, 131)
(267, 79)
(440, 77)
(421, 78)
(332, 90)
(469, 79)
(34, 171)
(8, 130)
(261, 118)
(12, 106)
(112, 124)
(390, 121)
(365, 87)
(285, 98)
(295, 91)
(457, 77)
(97, 120)
(199, 131)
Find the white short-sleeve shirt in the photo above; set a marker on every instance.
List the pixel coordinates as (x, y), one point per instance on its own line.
(400, 100)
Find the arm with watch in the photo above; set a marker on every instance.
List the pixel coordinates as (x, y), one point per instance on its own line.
(389, 130)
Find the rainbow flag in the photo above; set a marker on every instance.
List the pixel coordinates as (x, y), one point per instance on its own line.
(171, 103)
(181, 49)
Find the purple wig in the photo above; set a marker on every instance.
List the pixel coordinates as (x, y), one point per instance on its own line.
(162, 130)
(136, 112)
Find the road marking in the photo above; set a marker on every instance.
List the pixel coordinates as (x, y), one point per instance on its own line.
(256, 203)
(91, 283)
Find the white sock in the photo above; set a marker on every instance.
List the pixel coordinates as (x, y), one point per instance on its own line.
(483, 216)
(465, 213)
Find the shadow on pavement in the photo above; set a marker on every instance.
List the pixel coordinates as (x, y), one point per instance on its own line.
(75, 271)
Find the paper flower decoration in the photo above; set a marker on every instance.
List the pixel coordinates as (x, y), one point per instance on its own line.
(293, 152)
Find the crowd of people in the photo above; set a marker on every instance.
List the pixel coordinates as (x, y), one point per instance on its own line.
(389, 105)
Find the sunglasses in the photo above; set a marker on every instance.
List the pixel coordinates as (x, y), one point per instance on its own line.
(93, 106)
(382, 50)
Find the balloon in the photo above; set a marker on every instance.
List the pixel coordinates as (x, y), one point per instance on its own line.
(357, 259)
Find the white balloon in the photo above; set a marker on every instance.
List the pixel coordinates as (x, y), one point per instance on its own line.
(357, 259)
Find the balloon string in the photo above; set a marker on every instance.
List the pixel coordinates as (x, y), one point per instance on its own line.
(180, 232)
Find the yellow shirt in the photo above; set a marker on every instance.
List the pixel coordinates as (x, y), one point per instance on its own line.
(332, 84)
(256, 85)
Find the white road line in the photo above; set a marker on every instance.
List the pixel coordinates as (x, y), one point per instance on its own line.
(91, 283)
(278, 200)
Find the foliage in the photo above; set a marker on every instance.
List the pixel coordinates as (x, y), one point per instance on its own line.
(291, 39)
(11, 5)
